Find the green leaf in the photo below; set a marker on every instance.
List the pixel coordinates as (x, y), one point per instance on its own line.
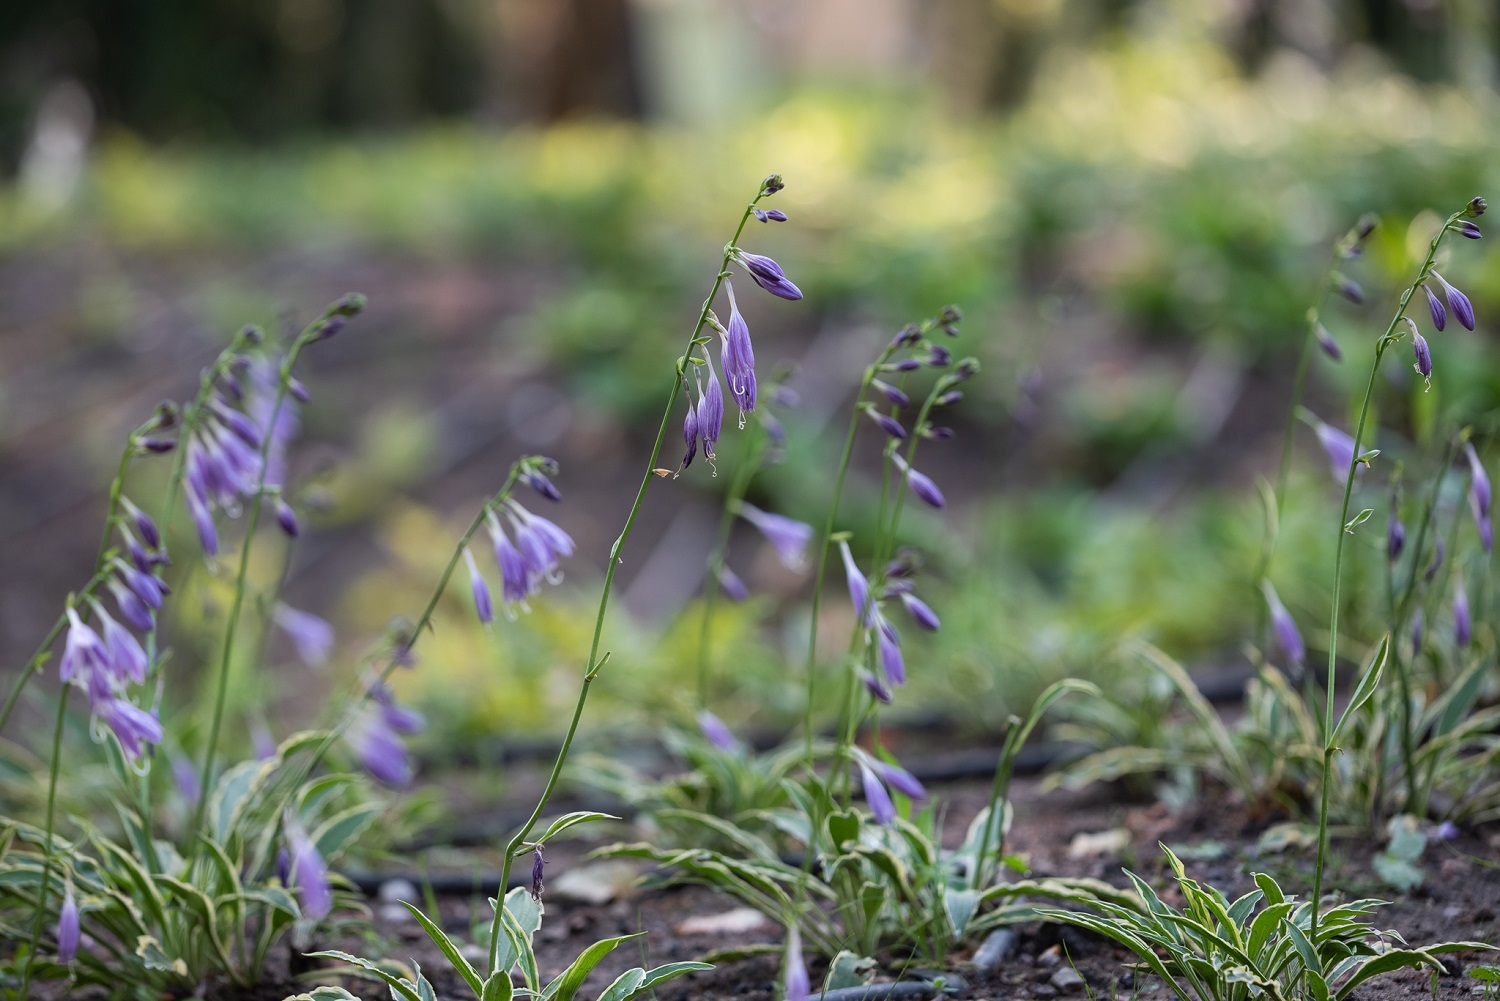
(849, 969)
(960, 906)
(842, 827)
(334, 835)
(566, 821)
(152, 956)
(625, 985)
(1395, 959)
(325, 994)
(448, 949)
(1367, 685)
(398, 985)
(234, 790)
(523, 916)
(498, 987)
(669, 971)
(566, 983)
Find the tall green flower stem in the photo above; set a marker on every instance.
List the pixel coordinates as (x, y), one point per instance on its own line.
(1386, 340)
(596, 663)
(313, 332)
(737, 488)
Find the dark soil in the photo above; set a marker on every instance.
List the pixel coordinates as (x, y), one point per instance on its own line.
(1459, 900)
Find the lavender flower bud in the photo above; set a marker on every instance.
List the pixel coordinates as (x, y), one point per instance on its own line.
(127, 661)
(133, 727)
(1348, 288)
(1457, 301)
(785, 396)
(738, 356)
(1469, 230)
(148, 588)
(143, 524)
(950, 314)
(920, 613)
(1423, 354)
(1463, 624)
(483, 606)
(1476, 207)
(715, 732)
(132, 608)
(241, 426)
(920, 484)
(379, 749)
(896, 396)
(876, 795)
(329, 327)
(710, 409)
(899, 779)
(541, 484)
(875, 687)
(1480, 498)
(788, 536)
(859, 588)
(905, 365)
(538, 866)
(203, 521)
(772, 184)
(939, 356)
(949, 398)
(888, 424)
(286, 519)
(311, 636)
(1284, 627)
(1339, 448)
(888, 645)
(908, 335)
(158, 445)
(1395, 537)
(1327, 343)
(734, 588)
(1446, 831)
(298, 390)
(798, 986)
(1435, 307)
(938, 433)
(68, 934)
(767, 274)
(770, 215)
(689, 434)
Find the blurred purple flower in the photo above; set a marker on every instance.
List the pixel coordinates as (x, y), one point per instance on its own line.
(1439, 553)
(68, 932)
(888, 645)
(1463, 623)
(887, 423)
(1395, 537)
(1338, 446)
(1327, 343)
(308, 873)
(1284, 627)
(798, 985)
(541, 484)
(1416, 632)
(875, 686)
(876, 795)
(920, 484)
(1480, 498)
(484, 607)
(919, 611)
(894, 395)
(379, 749)
(311, 636)
(734, 588)
(126, 658)
(286, 519)
(716, 732)
(787, 536)
(859, 588)
(133, 726)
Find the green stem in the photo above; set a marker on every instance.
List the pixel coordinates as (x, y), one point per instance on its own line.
(252, 520)
(1385, 341)
(41, 899)
(595, 664)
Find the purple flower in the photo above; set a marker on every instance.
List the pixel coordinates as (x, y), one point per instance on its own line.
(380, 749)
(1423, 355)
(1327, 343)
(541, 484)
(739, 357)
(538, 867)
(133, 726)
(767, 274)
(734, 588)
(689, 434)
(1348, 288)
(203, 520)
(1446, 831)
(939, 356)
(1469, 230)
(710, 408)
(1284, 627)
(311, 636)
(887, 423)
(920, 484)
(888, 644)
(127, 660)
(859, 588)
(920, 612)
(514, 585)
(483, 606)
(542, 544)
(286, 518)
(787, 536)
(308, 873)
(1435, 307)
(875, 686)
(896, 396)
(188, 786)
(798, 984)
(898, 778)
(1395, 537)
(1480, 498)
(68, 933)
(262, 743)
(143, 524)
(398, 718)
(1457, 301)
(876, 795)
(132, 608)
(84, 653)
(1338, 446)
(1463, 623)
(770, 215)
(715, 732)
(148, 588)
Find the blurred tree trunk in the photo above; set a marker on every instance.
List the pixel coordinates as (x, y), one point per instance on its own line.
(557, 59)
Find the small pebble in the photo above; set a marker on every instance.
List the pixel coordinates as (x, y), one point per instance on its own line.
(1044, 991)
(395, 890)
(472, 951)
(393, 913)
(1027, 959)
(1067, 979)
(1051, 957)
(998, 946)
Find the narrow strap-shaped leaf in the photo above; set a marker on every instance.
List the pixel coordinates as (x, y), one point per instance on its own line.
(1366, 688)
(566, 984)
(450, 951)
(398, 985)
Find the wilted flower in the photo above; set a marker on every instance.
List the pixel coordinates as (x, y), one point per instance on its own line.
(920, 484)
(1284, 627)
(766, 273)
(689, 434)
(1480, 498)
(787, 536)
(538, 867)
(483, 606)
(1457, 301)
(859, 588)
(312, 636)
(68, 933)
(716, 732)
(307, 872)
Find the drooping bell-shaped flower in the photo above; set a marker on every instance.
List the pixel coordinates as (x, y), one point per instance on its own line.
(876, 795)
(734, 588)
(689, 434)
(796, 983)
(920, 612)
(514, 586)
(1338, 446)
(1395, 537)
(127, 660)
(83, 652)
(710, 408)
(483, 606)
(134, 727)
(1423, 355)
(888, 424)
(787, 536)
(312, 637)
(1327, 343)
(738, 356)
(859, 588)
(1435, 307)
(68, 931)
(920, 483)
(888, 646)
(307, 872)
(379, 748)
(1284, 627)
(1457, 301)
